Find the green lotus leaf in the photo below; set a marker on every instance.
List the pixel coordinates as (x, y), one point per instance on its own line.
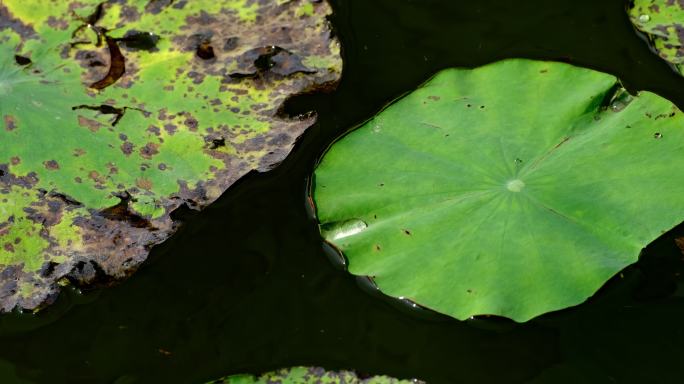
(113, 114)
(512, 189)
(663, 22)
(310, 375)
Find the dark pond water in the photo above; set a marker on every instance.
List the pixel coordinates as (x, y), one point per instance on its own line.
(246, 285)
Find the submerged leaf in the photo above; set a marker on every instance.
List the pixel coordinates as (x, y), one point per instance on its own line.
(113, 114)
(310, 375)
(512, 189)
(663, 23)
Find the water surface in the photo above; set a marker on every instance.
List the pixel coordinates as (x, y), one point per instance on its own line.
(246, 285)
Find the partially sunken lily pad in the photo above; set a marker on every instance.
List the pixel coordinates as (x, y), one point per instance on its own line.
(512, 189)
(310, 375)
(113, 114)
(663, 23)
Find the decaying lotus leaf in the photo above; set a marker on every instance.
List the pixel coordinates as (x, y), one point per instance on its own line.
(663, 23)
(310, 375)
(113, 114)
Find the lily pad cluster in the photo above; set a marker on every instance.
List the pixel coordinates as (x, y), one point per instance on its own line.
(310, 375)
(512, 189)
(113, 114)
(663, 22)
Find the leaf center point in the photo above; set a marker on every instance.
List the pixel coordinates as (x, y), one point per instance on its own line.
(515, 185)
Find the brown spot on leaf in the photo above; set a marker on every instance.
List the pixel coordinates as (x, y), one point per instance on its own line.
(154, 130)
(51, 165)
(96, 177)
(230, 43)
(8, 21)
(202, 19)
(149, 150)
(127, 148)
(10, 122)
(92, 125)
(55, 23)
(112, 168)
(171, 128)
(143, 183)
(156, 6)
(191, 123)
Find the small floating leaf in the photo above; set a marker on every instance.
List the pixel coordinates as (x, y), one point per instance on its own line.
(663, 22)
(525, 206)
(310, 375)
(115, 113)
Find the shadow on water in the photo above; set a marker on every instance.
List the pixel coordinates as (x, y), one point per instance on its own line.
(246, 285)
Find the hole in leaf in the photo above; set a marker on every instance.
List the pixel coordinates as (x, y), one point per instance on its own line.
(121, 212)
(271, 59)
(109, 110)
(220, 142)
(66, 199)
(48, 268)
(137, 40)
(205, 51)
(22, 60)
(201, 44)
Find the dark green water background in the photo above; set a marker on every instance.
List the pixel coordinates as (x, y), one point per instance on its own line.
(246, 285)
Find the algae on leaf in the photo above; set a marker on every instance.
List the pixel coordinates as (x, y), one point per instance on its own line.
(310, 375)
(512, 189)
(115, 113)
(663, 22)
